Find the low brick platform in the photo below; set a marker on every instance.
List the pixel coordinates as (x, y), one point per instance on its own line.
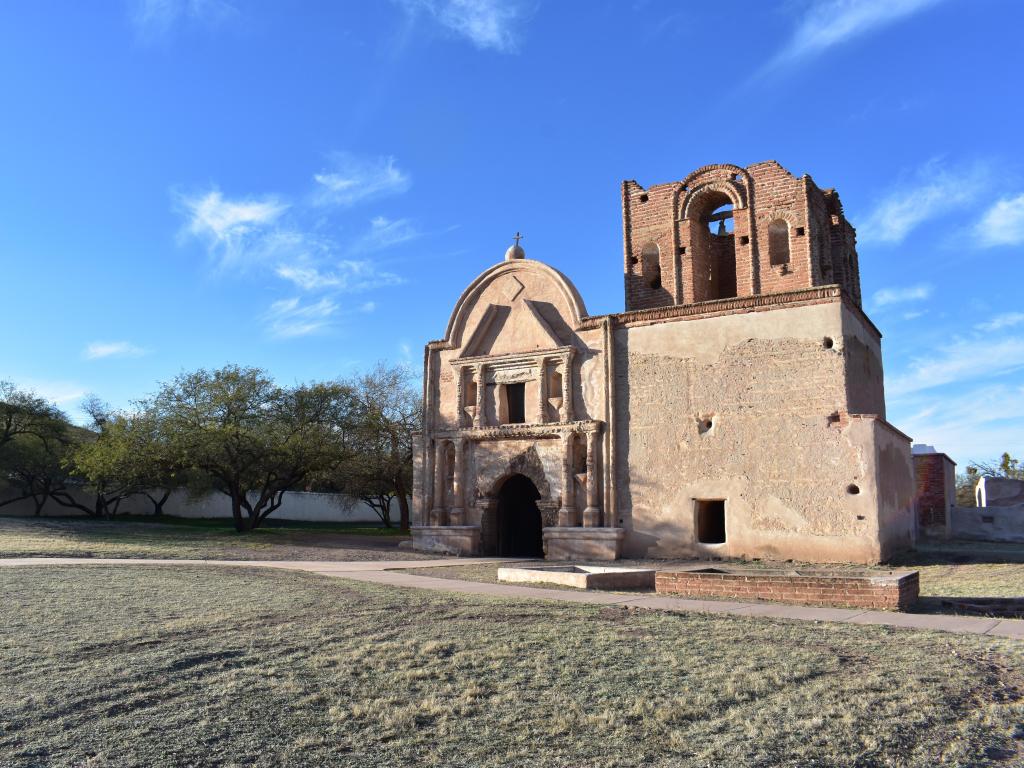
(889, 590)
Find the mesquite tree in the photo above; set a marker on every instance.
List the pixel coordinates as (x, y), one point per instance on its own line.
(250, 438)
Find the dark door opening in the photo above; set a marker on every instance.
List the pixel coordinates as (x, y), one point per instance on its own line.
(519, 523)
(711, 521)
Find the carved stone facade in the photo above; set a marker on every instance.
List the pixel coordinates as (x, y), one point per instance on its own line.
(736, 410)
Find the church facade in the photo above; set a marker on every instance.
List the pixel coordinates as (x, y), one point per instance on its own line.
(735, 409)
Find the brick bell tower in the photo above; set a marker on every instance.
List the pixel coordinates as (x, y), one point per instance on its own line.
(725, 232)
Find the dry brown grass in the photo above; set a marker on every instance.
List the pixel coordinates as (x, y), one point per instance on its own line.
(82, 537)
(207, 666)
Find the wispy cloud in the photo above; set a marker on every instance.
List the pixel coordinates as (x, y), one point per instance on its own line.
(385, 233)
(931, 191)
(963, 360)
(1003, 223)
(487, 24)
(830, 23)
(349, 275)
(978, 423)
(231, 229)
(351, 179)
(889, 296)
(99, 350)
(155, 18)
(999, 322)
(289, 318)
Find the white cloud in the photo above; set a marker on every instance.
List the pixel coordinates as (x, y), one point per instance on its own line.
(488, 24)
(289, 318)
(962, 360)
(348, 275)
(975, 424)
(1005, 320)
(57, 392)
(829, 23)
(385, 233)
(351, 179)
(98, 350)
(235, 230)
(888, 296)
(154, 18)
(1003, 223)
(933, 191)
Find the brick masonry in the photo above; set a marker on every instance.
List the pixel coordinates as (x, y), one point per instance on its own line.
(935, 478)
(673, 255)
(894, 591)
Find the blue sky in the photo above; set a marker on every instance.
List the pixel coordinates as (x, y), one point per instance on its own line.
(308, 187)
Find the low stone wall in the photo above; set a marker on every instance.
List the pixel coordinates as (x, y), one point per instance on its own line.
(888, 590)
(988, 523)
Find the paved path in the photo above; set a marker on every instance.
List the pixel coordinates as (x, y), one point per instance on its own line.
(386, 572)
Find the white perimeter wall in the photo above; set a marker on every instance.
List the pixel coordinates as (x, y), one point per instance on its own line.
(313, 507)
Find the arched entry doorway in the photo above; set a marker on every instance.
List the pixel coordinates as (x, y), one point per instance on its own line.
(518, 519)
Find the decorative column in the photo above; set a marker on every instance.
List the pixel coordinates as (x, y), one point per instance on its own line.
(456, 516)
(460, 396)
(437, 513)
(592, 514)
(567, 513)
(478, 417)
(542, 392)
(567, 388)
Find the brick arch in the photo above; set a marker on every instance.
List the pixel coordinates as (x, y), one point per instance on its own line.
(695, 195)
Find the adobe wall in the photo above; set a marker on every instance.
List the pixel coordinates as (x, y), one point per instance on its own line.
(781, 448)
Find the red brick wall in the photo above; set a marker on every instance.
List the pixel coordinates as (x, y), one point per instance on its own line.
(931, 475)
(822, 243)
(893, 593)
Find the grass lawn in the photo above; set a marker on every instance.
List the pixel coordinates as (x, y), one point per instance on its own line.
(116, 666)
(194, 539)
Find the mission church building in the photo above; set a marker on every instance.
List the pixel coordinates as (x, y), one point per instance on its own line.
(735, 409)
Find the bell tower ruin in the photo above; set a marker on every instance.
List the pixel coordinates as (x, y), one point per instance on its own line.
(728, 232)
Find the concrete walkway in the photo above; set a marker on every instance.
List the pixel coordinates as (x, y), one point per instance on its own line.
(386, 572)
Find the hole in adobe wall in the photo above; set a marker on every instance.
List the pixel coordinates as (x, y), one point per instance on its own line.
(633, 260)
(744, 240)
(682, 249)
(827, 342)
(853, 489)
(643, 198)
(736, 177)
(860, 517)
(800, 231)
(705, 424)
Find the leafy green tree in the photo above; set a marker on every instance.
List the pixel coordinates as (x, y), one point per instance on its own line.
(128, 456)
(380, 469)
(34, 444)
(24, 413)
(1007, 466)
(241, 434)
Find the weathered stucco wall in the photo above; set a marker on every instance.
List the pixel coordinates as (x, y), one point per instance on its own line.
(988, 523)
(752, 409)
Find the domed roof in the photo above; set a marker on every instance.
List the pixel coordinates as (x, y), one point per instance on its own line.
(515, 251)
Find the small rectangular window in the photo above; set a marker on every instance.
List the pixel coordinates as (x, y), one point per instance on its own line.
(516, 398)
(711, 521)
